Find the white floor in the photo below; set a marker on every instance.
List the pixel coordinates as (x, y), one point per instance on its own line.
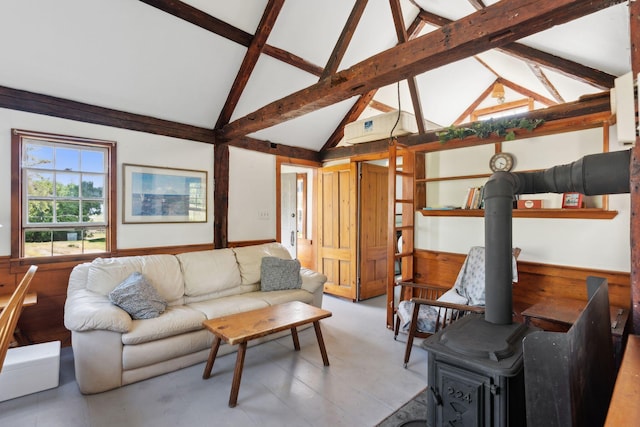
(365, 383)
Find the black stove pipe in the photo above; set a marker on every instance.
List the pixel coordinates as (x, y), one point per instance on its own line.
(596, 174)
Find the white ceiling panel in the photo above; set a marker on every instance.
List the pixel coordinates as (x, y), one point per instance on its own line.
(271, 80)
(600, 40)
(307, 30)
(309, 131)
(242, 14)
(447, 91)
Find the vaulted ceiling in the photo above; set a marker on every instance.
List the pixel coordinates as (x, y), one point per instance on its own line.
(295, 72)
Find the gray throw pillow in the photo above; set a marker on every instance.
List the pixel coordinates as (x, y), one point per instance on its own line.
(277, 274)
(138, 297)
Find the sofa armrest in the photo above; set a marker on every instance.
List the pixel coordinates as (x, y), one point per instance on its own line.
(85, 310)
(312, 280)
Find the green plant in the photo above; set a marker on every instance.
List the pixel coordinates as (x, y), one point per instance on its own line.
(484, 129)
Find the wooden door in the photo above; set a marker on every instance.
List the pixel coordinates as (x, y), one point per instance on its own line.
(337, 230)
(373, 230)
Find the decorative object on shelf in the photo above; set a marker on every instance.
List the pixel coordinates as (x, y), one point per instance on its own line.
(501, 162)
(571, 200)
(530, 204)
(485, 128)
(163, 195)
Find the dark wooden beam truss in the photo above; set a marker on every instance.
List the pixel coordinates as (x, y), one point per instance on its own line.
(492, 27)
(571, 69)
(251, 57)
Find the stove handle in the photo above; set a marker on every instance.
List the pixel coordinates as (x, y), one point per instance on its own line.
(436, 396)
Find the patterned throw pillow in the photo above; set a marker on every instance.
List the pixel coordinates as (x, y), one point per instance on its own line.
(138, 297)
(277, 274)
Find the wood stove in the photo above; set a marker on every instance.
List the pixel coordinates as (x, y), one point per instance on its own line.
(475, 365)
(475, 374)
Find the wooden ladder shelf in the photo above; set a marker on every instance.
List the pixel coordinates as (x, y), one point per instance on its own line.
(401, 221)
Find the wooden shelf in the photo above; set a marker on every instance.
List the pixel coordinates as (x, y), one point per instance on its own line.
(585, 213)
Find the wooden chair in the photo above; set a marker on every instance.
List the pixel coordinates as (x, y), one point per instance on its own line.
(428, 309)
(11, 313)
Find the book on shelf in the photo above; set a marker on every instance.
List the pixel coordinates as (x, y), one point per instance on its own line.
(474, 198)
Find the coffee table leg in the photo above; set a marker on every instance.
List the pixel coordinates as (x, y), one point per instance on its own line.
(294, 335)
(212, 357)
(323, 350)
(237, 375)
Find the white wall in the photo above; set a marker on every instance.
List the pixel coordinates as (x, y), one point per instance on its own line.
(252, 195)
(132, 147)
(589, 243)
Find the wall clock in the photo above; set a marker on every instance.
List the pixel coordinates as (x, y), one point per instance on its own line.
(501, 162)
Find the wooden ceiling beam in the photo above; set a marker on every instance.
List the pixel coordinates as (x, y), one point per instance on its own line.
(571, 69)
(526, 92)
(36, 103)
(466, 113)
(32, 102)
(342, 44)
(351, 116)
(364, 100)
(269, 147)
(203, 20)
(492, 27)
(401, 31)
(542, 78)
(271, 12)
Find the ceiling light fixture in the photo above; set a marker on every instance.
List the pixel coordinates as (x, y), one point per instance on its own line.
(498, 93)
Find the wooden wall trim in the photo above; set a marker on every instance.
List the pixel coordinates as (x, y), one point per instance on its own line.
(537, 281)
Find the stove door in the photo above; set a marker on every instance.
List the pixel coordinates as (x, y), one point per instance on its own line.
(464, 397)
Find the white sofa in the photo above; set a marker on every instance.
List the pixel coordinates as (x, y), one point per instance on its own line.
(111, 349)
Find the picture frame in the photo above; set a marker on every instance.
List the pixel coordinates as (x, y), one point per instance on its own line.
(153, 194)
(571, 200)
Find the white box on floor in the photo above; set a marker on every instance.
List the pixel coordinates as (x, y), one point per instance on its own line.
(30, 369)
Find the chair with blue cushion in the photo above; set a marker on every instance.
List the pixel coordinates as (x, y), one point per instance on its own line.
(430, 309)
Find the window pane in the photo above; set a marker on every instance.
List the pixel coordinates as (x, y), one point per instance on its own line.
(92, 185)
(67, 159)
(37, 156)
(68, 211)
(93, 211)
(37, 243)
(39, 184)
(92, 161)
(40, 211)
(95, 240)
(67, 184)
(67, 242)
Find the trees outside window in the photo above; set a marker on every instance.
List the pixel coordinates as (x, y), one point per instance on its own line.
(61, 202)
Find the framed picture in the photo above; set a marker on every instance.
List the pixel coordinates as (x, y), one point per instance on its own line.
(162, 195)
(572, 200)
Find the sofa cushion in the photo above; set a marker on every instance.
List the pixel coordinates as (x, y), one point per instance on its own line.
(227, 305)
(175, 320)
(210, 271)
(161, 271)
(277, 274)
(280, 297)
(250, 259)
(138, 298)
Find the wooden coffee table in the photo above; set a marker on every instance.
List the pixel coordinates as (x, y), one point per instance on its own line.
(243, 327)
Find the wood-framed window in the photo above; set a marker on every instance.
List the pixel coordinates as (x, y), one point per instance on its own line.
(503, 110)
(62, 196)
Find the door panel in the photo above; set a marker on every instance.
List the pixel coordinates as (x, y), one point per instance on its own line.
(373, 230)
(337, 247)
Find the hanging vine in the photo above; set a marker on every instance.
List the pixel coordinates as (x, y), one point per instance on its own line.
(484, 129)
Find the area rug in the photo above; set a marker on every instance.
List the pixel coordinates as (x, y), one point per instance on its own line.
(412, 413)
